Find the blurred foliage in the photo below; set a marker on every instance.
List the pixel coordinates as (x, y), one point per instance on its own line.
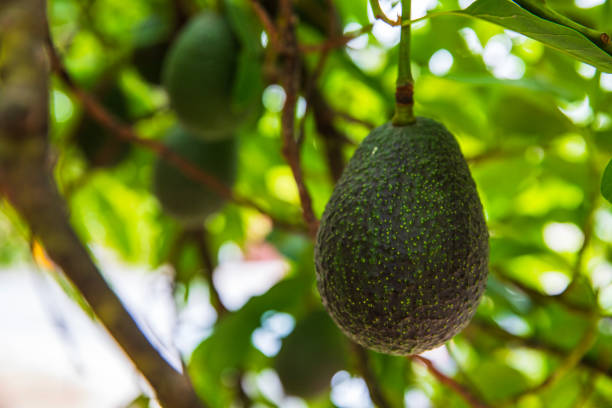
(534, 124)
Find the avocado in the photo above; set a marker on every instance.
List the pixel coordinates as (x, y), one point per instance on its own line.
(187, 200)
(99, 146)
(402, 250)
(200, 73)
(311, 355)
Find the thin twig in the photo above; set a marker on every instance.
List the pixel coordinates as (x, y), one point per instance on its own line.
(336, 42)
(332, 138)
(99, 113)
(291, 84)
(494, 154)
(350, 118)
(374, 388)
(469, 383)
(380, 14)
(268, 25)
(450, 383)
(199, 235)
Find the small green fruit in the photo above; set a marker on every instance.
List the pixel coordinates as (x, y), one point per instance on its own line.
(311, 355)
(99, 146)
(200, 74)
(185, 199)
(402, 251)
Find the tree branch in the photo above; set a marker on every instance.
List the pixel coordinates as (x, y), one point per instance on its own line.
(199, 236)
(350, 118)
(379, 14)
(450, 383)
(267, 23)
(323, 114)
(336, 42)
(99, 113)
(26, 181)
(291, 83)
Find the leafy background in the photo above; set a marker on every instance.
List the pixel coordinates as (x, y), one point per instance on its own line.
(534, 124)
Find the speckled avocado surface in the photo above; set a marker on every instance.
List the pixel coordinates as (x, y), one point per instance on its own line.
(402, 251)
(187, 200)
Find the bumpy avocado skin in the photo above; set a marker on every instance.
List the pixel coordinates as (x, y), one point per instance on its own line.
(310, 356)
(402, 251)
(187, 200)
(199, 74)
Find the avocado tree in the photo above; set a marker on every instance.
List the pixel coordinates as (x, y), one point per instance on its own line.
(433, 173)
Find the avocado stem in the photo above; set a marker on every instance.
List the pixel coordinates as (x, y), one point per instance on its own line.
(404, 100)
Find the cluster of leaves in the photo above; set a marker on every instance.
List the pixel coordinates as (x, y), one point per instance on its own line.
(537, 138)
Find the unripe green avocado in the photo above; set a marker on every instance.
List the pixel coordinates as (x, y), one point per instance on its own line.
(402, 251)
(99, 146)
(188, 200)
(200, 72)
(310, 356)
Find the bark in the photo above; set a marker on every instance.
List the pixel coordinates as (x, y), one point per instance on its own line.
(26, 181)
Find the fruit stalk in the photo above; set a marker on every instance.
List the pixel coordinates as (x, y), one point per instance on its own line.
(404, 100)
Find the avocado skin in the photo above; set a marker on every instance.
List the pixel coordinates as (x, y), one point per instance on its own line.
(199, 74)
(402, 250)
(187, 200)
(310, 356)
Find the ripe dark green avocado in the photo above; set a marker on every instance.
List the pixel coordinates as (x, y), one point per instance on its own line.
(200, 72)
(402, 251)
(99, 146)
(185, 199)
(310, 356)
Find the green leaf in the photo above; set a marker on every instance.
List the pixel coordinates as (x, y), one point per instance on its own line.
(509, 15)
(606, 183)
(496, 381)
